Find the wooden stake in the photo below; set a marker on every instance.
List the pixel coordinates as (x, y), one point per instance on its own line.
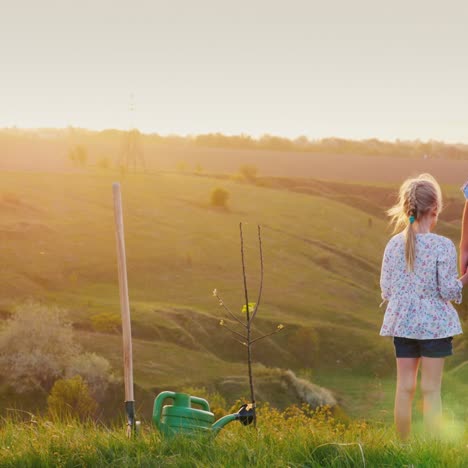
(125, 310)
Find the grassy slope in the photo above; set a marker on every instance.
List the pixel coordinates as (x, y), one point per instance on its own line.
(321, 269)
(293, 438)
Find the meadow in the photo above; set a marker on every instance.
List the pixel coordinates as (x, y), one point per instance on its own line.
(322, 245)
(297, 437)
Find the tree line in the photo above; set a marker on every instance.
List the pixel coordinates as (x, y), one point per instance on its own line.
(369, 147)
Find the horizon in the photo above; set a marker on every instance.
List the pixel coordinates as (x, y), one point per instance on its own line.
(242, 134)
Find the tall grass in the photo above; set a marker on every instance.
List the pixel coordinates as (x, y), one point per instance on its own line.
(295, 437)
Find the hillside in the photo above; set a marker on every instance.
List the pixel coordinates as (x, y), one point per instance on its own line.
(322, 245)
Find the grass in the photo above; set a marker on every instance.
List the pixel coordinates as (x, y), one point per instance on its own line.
(297, 437)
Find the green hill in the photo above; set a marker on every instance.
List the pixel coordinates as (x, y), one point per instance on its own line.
(322, 245)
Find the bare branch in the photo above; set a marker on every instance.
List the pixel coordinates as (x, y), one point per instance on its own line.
(234, 331)
(265, 336)
(261, 274)
(244, 274)
(226, 308)
(243, 343)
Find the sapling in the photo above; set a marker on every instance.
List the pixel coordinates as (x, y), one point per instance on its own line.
(250, 309)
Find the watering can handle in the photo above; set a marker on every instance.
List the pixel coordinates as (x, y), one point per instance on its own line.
(158, 406)
(200, 401)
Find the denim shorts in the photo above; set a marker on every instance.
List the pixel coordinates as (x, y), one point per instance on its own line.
(412, 348)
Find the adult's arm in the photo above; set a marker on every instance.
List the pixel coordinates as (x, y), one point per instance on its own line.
(450, 287)
(464, 241)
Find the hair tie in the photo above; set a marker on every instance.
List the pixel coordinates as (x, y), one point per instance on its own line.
(411, 219)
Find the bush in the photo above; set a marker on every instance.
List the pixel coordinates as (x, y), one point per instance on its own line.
(249, 172)
(219, 197)
(106, 322)
(71, 398)
(95, 370)
(78, 156)
(35, 347)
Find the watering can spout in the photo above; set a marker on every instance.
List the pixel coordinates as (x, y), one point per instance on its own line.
(245, 415)
(220, 423)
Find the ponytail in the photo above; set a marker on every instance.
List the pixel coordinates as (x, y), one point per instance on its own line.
(417, 196)
(410, 236)
(410, 246)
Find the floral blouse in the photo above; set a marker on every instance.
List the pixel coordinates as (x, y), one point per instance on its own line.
(419, 301)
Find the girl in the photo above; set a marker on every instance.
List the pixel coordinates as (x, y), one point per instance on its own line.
(419, 279)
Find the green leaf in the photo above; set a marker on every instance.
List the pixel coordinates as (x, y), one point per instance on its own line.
(251, 307)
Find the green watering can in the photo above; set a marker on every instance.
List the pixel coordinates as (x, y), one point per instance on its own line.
(181, 418)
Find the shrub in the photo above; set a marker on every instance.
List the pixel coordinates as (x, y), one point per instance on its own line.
(71, 398)
(78, 155)
(249, 172)
(35, 346)
(308, 392)
(95, 370)
(106, 322)
(219, 197)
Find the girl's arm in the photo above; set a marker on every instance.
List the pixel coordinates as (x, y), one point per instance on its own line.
(386, 275)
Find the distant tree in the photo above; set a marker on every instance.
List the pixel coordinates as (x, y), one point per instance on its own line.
(78, 156)
(275, 143)
(249, 172)
(302, 142)
(71, 398)
(219, 197)
(104, 163)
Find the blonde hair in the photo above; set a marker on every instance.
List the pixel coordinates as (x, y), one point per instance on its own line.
(417, 197)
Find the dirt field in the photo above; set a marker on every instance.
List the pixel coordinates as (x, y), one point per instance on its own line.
(49, 155)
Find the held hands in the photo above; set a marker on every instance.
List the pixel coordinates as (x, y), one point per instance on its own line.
(464, 278)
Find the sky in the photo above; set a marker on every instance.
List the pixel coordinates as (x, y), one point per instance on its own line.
(351, 69)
